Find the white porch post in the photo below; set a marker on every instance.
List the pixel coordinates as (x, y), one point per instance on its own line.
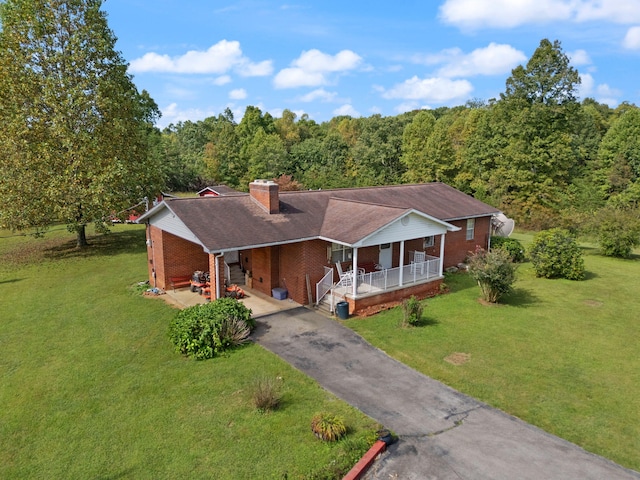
(401, 263)
(217, 276)
(354, 268)
(441, 254)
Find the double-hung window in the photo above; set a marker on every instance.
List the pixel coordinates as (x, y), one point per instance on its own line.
(471, 225)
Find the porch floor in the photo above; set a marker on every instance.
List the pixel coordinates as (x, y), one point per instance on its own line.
(259, 303)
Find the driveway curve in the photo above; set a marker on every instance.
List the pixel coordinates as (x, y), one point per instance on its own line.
(443, 434)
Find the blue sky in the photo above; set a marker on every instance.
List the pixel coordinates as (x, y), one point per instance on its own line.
(358, 58)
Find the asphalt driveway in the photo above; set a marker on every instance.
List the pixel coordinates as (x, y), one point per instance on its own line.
(443, 433)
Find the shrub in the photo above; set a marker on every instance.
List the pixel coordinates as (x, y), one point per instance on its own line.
(328, 427)
(555, 253)
(511, 245)
(618, 231)
(203, 331)
(266, 393)
(411, 311)
(494, 271)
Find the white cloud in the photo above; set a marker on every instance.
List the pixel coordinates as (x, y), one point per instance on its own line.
(238, 94)
(437, 90)
(218, 59)
(579, 57)
(512, 13)
(585, 89)
(494, 59)
(296, 77)
(346, 109)
(172, 114)
(313, 68)
(503, 13)
(602, 93)
(319, 94)
(632, 39)
(223, 80)
(616, 11)
(316, 61)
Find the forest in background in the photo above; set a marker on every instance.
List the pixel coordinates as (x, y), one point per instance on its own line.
(538, 153)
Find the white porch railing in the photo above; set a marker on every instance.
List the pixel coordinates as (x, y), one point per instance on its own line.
(388, 279)
(324, 285)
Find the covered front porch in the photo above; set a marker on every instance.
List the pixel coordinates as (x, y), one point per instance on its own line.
(409, 257)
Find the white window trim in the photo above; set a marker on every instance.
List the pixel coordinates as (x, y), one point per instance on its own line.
(429, 241)
(341, 253)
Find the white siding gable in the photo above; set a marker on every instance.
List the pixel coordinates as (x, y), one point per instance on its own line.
(166, 220)
(405, 228)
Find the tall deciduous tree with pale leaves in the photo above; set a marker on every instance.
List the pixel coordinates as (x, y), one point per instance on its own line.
(73, 127)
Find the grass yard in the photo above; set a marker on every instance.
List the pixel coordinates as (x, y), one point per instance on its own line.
(560, 354)
(91, 386)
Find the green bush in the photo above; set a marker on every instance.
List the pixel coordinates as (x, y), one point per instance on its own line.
(411, 311)
(511, 245)
(494, 271)
(618, 231)
(555, 253)
(204, 331)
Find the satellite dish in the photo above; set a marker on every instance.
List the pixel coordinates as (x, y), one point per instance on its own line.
(501, 225)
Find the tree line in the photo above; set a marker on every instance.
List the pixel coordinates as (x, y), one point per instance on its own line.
(79, 142)
(536, 152)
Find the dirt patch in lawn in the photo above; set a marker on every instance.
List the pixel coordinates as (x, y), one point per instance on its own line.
(457, 358)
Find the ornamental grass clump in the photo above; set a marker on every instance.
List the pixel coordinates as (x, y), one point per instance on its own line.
(328, 427)
(266, 393)
(494, 271)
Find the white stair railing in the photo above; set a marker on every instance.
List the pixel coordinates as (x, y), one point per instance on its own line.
(324, 285)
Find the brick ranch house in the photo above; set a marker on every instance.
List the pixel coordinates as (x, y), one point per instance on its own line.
(366, 246)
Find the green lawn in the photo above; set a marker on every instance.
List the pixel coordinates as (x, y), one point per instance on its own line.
(91, 387)
(562, 355)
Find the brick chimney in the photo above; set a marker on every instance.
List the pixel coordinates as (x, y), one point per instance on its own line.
(265, 192)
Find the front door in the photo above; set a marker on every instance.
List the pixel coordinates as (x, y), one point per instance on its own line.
(385, 259)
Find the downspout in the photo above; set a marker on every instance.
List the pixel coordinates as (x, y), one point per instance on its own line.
(441, 254)
(401, 278)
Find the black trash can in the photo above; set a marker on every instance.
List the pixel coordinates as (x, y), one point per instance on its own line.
(342, 309)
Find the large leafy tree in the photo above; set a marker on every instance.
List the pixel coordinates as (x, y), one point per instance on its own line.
(74, 130)
(537, 115)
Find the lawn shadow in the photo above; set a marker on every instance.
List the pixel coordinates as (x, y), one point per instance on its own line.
(12, 280)
(427, 322)
(520, 297)
(112, 243)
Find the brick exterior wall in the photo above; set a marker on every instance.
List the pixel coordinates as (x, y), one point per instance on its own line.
(266, 272)
(457, 247)
(424, 290)
(171, 256)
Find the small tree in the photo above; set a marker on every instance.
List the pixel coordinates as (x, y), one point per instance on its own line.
(494, 271)
(556, 254)
(411, 311)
